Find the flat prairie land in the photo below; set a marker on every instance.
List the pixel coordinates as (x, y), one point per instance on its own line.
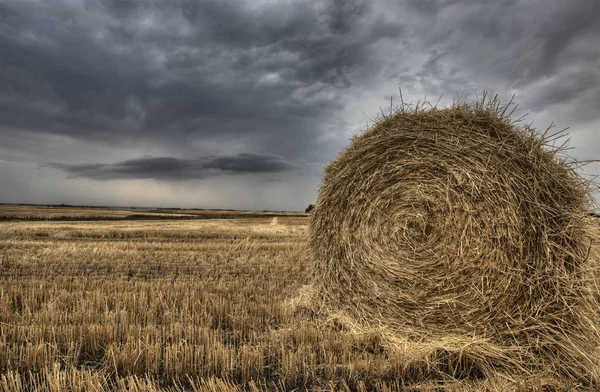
(177, 305)
(199, 305)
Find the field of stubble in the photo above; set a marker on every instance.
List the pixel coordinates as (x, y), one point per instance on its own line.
(198, 305)
(179, 305)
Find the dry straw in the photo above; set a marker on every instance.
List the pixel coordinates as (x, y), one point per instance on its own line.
(464, 233)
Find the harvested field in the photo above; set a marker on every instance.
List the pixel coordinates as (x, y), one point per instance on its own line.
(12, 213)
(175, 305)
(183, 305)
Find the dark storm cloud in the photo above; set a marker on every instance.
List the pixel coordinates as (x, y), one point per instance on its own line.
(171, 169)
(156, 72)
(163, 72)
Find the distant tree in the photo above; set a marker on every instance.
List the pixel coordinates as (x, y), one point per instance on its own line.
(309, 208)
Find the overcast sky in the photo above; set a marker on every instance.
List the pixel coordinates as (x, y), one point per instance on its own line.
(230, 104)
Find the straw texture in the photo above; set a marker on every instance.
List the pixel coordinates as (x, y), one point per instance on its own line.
(464, 232)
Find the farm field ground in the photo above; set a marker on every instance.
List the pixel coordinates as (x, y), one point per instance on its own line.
(199, 305)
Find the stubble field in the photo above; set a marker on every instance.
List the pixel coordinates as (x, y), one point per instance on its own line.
(195, 304)
(168, 304)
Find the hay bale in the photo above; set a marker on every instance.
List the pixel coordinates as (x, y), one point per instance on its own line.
(458, 222)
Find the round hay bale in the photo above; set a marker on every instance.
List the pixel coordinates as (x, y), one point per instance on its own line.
(457, 221)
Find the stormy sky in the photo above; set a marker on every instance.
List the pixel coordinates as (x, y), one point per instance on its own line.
(239, 104)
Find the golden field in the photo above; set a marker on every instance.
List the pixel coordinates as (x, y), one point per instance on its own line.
(178, 305)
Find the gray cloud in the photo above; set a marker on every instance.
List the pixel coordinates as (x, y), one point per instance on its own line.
(511, 43)
(174, 169)
(150, 72)
(249, 163)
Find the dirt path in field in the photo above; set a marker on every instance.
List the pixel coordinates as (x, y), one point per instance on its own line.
(274, 221)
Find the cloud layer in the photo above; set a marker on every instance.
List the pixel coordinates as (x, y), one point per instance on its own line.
(174, 169)
(137, 71)
(256, 87)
